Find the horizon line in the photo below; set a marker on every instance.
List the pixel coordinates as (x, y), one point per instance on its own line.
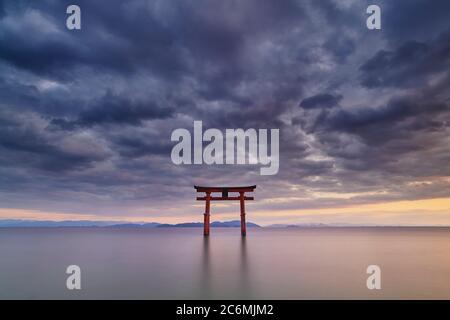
(112, 223)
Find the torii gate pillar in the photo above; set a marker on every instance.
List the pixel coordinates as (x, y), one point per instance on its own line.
(224, 190)
(207, 214)
(243, 226)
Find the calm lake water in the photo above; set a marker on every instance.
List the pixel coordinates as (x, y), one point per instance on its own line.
(179, 263)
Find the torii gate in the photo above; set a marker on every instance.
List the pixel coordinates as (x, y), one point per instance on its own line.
(224, 190)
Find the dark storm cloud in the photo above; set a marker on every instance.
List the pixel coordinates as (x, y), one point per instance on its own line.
(141, 145)
(17, 94)
(323, 100)
(414, 19)
(387, 146)
(86, 116)
(381, 118)
(126, 37)
(374, 138)
(119, 43)
(112, 109)
(23, 144)
(341, 47)
(409, 65)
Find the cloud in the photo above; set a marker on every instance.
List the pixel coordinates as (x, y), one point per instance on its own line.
(24, 143)
(410, 65)
(324, 100)
(112, 109)
(86, 116)
(415, 21)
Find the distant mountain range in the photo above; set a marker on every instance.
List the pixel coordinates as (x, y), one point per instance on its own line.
(215, 224)
(114, 224)
(16, 223)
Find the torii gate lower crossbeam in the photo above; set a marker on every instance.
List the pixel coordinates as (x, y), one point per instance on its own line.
(224, 190)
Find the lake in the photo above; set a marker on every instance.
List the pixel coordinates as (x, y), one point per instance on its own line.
(270, 263)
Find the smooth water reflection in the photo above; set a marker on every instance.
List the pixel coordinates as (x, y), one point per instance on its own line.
(180, 263)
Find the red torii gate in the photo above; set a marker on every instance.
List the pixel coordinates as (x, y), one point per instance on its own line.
(224, 190)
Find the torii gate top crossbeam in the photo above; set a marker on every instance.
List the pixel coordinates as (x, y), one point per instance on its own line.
(224, 190)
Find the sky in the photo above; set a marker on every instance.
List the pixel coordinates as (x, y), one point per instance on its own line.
(364, 115)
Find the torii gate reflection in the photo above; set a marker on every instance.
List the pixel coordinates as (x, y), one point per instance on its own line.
(224, 190)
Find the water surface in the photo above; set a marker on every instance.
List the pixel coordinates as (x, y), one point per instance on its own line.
(179, 263)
